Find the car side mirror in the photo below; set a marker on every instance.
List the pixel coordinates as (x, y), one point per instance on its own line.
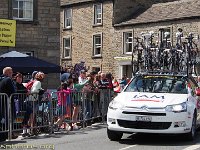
(198, 92)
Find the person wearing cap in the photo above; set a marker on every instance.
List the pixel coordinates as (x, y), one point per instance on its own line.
(33, 75)
(80, 66)
(64, 77)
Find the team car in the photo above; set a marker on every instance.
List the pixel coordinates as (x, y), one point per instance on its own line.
(161, 103)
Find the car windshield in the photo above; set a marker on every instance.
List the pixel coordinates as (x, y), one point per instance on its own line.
(158, 84)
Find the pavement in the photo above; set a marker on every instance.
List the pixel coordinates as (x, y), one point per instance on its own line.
(95, 138)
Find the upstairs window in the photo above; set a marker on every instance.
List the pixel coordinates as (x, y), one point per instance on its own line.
(22, 10)
(67, 47)
(97, 14)
(97, 44)
(165, 36)
(128, 42)
(68, 18)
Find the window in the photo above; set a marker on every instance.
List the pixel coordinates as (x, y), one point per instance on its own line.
(96, 69)
(22, 10)
(29, 53)
(67, 47)
(165, 36)
(155, 84)
(98, 14)
(97, 44)
(128, 42)
(68, 18)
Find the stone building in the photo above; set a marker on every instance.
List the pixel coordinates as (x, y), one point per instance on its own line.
(87, 33)
(37, 30)
(102, 32)
(158, 15)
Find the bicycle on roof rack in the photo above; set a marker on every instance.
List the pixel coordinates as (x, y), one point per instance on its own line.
(165, 56)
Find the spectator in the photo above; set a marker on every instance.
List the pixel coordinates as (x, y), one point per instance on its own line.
(105, 94)
(123, 82)
(64, 77)
(63, 94)
(104, 83)
(99, 73)
(96, 83)
(109, 77)
(37, 92)
(80, 66)
(62, 70)
(20, 88)
(76, 89)
(88, 91)
(7, 86)
(116, 86)
(21, 105)
(33, 75)
(29, 84)
(82, 77)
(37, 85)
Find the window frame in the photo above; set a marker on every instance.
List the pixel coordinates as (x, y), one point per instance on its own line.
(33, 9)
(95, 16)
(101, 44)
(31, 53)
(65, 19)
(124, 37)
(170, 36)
(70, 47)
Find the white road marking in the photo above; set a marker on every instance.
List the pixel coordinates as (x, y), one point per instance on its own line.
(193, 147)
(127, 147)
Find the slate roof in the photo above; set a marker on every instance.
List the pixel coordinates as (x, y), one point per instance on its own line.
(71, 2)
(165, 12)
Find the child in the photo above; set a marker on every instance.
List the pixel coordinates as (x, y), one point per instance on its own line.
(63, 93)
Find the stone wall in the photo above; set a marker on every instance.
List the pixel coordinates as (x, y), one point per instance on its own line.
(4, 9)
(82, 32)
(42, 36)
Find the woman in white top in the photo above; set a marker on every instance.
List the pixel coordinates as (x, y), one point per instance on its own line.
(37, 85)
(36, 92)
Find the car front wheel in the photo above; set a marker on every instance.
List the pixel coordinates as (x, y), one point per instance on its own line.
(114, 135)
(192, 134)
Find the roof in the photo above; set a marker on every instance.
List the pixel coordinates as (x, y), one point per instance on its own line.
(165, 12)
(71, 2)
(76, 2)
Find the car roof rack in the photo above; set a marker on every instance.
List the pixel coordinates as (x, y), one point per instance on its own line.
(161, 73)
(162, 53)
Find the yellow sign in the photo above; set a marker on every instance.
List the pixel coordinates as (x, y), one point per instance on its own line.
(7, 32)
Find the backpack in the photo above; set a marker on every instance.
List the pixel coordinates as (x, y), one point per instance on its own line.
(29, 85)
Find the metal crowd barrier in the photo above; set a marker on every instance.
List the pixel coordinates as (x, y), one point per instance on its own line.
(4, 114)
(81, 107)
(40, 113)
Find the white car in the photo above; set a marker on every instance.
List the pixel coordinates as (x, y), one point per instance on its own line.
(155, 103)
